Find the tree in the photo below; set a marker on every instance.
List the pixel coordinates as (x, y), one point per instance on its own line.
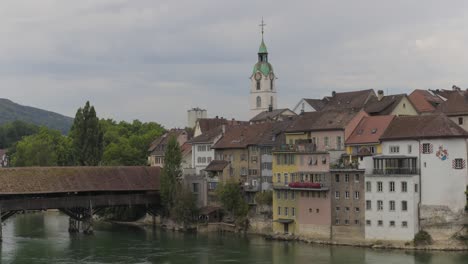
(185, 207)
(231, 198)
(46, 148)
(87, 137)
(171, 174)
(11, 133)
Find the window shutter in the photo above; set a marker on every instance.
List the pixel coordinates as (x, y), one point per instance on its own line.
(431, 148)
(453, 164)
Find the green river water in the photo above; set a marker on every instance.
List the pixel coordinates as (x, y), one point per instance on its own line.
(43, 238)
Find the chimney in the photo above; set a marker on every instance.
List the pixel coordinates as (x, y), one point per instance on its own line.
(380, 94)
(455, 88)
(223, 128)
(270, 108)
(333, 94)
(216, 117)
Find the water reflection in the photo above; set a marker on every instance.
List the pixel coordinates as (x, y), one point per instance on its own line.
(43, 238)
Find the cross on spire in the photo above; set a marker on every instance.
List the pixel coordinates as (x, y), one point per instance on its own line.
(262, 25)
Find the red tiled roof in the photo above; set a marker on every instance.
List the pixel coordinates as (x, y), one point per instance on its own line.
(207, 124)
(456, 104)
(385, 105)
(164, 138)
(424, 101)
(32, 180)
(271, 115)
(425, 126)
(370, 129)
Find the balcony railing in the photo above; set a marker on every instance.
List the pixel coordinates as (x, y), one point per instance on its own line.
(304, 147)
(389, 171)
(252, 188)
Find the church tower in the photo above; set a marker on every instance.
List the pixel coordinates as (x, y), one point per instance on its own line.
(263, 87)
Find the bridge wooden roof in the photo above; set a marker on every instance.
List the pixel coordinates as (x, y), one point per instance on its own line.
(40, 180)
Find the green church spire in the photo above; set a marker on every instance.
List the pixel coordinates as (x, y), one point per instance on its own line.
(262, 48)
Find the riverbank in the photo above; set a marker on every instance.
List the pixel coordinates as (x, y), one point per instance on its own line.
(261, 228)
(396, 245)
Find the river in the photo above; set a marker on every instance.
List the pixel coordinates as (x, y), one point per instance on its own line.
(43, 238)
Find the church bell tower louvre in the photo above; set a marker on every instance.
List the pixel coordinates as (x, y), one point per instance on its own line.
(263, 82)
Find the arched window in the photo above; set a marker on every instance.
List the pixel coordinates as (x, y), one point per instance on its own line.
(258, 85)
(259, 102)
(271, 84)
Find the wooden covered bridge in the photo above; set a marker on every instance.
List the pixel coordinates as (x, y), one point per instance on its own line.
(79, 192)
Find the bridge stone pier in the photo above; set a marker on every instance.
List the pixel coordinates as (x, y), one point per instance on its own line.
(78, 192)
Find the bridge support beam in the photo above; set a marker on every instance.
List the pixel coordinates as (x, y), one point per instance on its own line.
(73, 225)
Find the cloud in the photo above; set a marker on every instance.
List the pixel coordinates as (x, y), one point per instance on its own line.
(153, 60)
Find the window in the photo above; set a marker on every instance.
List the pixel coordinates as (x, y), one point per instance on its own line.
(460, 120)
(293, 211)
(416, 188)
(356, 177)
(243, 157)
(279, 210)
(326, 142)
(253, 172)
(259, 100)
(368, 222)
(337, 195)
(392, 205)
(356, 195)
(404, 186)
(426, 148)
(356, 209)
(404, 205)
(285, 195)
(368, 186)
(368, 205)
(286, 211)
(346, 178)
(346, 195)
(379, 205)
(286, 178)
(346, 222)
(212, 185)
(278, 177)
(392, 186)
(324, 160)
(380, 223)
(278, 195)
(209, 159)
(458, 164)
(372, 149)
(338, 142)
(337, 178)
(410, 149)
(394, 149)
(392, 223)
(356, 222)
(337, 208)
(317, 210)
(195, 187)
(258, 87)
(310, 210)
(293, 195)
(337, 221)
(379, 186)
(347, 209)
(253, 159)
(404, 224)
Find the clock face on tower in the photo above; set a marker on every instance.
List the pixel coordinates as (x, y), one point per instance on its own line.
(258, 76)
(272, 76)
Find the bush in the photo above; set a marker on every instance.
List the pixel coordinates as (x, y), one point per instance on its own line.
(422, 238)
(264, 198)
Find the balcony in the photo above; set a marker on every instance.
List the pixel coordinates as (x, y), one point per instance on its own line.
(252, 188)
(303, 148)
(306, 186)
(396, 171)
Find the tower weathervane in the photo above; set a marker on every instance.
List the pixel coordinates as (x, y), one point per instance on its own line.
(262, 25)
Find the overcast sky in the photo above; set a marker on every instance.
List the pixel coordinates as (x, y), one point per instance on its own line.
(154, 59)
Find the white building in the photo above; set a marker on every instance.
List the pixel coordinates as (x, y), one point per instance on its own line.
(194, 114)
(423, 160)
(263, 84)
(202, 153)
(308, 105)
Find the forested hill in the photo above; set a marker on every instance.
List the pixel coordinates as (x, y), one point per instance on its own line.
(11, 111)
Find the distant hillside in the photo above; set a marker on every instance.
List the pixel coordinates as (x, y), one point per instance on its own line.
(11, 111)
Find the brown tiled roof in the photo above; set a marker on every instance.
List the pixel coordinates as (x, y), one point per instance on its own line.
(186, 149)
(317, 104)
(424, 101)
(216, 165)
(243, 136)
(425, 126)
(370, 129)
(209, 136)
(207, 124)
(324, 120)
(385, 105)
(270, 115)
(354, 100)
(32, 180)
(456, 104)
(164, 139)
